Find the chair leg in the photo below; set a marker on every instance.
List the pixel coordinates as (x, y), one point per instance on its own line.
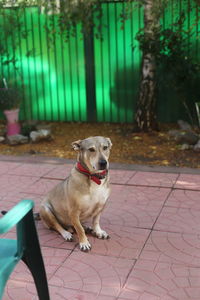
(33, 258)
(36, 266)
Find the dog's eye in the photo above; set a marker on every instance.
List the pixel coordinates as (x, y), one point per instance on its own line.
(91, 149)
(105, 147)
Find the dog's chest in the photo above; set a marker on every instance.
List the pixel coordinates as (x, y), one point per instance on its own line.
(95, 200)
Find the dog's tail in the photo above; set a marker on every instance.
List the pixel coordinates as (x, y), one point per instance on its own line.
(35, 215)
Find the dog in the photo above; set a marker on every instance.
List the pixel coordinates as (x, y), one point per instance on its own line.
(82, 195)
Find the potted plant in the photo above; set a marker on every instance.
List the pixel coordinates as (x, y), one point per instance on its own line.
(10, 98)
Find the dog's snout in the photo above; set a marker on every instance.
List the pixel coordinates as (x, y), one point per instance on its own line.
(102, 164)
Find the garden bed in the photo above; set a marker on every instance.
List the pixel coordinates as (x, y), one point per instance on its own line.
(155, 148)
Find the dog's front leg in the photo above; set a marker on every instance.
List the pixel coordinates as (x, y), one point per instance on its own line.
(83, 241)
(97, 231)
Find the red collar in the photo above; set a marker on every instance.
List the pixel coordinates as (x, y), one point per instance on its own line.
(96, 177)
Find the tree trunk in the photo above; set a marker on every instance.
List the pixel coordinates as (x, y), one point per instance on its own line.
(145, 118)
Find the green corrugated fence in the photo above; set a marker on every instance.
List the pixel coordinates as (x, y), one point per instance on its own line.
(70, 81)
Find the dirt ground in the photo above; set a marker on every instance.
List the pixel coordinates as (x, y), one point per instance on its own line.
(155, 148)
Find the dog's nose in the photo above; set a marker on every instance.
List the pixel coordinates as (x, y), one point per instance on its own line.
(102, 164)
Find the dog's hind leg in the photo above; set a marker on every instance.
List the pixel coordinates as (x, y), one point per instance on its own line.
(52, 223)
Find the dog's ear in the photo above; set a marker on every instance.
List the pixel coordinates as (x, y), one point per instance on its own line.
(76, 145)
(109, 142)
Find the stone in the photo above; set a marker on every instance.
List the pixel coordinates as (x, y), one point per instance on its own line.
(17, 139)
(174, 133)
(43, 126)
(184, 125)
(197, 146)
(184, 137)
(185, 147)
(2, 139)
(40, 135)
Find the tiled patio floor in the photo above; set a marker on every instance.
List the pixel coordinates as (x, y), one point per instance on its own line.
(153, 219)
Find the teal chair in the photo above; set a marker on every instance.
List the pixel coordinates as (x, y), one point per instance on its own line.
(25, 247)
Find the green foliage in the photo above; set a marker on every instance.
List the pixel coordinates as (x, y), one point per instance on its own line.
(176, 70)
(67, 14)
(11, 27)
(10, 98)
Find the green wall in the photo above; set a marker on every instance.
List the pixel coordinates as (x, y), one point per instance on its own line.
(54, 72)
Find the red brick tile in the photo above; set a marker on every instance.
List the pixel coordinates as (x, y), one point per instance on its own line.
(138, 195)
(100, 275)
(19, 290)
(41, 187)
(184, 199)
(53, 259)
(183, 220)
(60, 171)
(11, 184)
(70, 294)
(188, 181)
(9, 200)
(7, 167)
(124, 242)
(153, 179)
(120, 176)
(134, 206)
(36, 169)
(36, 199)
(173, 247)
(159, 280)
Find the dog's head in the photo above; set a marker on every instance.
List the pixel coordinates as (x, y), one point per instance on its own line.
(93, 152)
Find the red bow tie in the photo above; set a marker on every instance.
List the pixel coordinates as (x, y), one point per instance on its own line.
(96, 177)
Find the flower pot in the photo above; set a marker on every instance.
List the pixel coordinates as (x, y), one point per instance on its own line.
(13, 126)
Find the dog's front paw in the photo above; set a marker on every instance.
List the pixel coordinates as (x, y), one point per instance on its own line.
(67, 236)
(101, 234)
(85, 247)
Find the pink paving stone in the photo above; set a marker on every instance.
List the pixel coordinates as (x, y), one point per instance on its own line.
(96, 274)
(158, 280)
(129, 216)
(19, 290)
(36, 199)
(70, 294)
(188, 181)
(134, 206)
(153, 179)
(125, 242)
(183, 220)
(60, 171)
(53, 259)
(173, 247)
(120, 176)
(146, 197)
(6, 167)
(41, 187)
(10, 200)
(28, 169)
(11, 234)
(11, 184)
(184, 199)
(49, 238)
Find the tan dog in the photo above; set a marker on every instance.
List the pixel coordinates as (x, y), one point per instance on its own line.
(83, 194)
